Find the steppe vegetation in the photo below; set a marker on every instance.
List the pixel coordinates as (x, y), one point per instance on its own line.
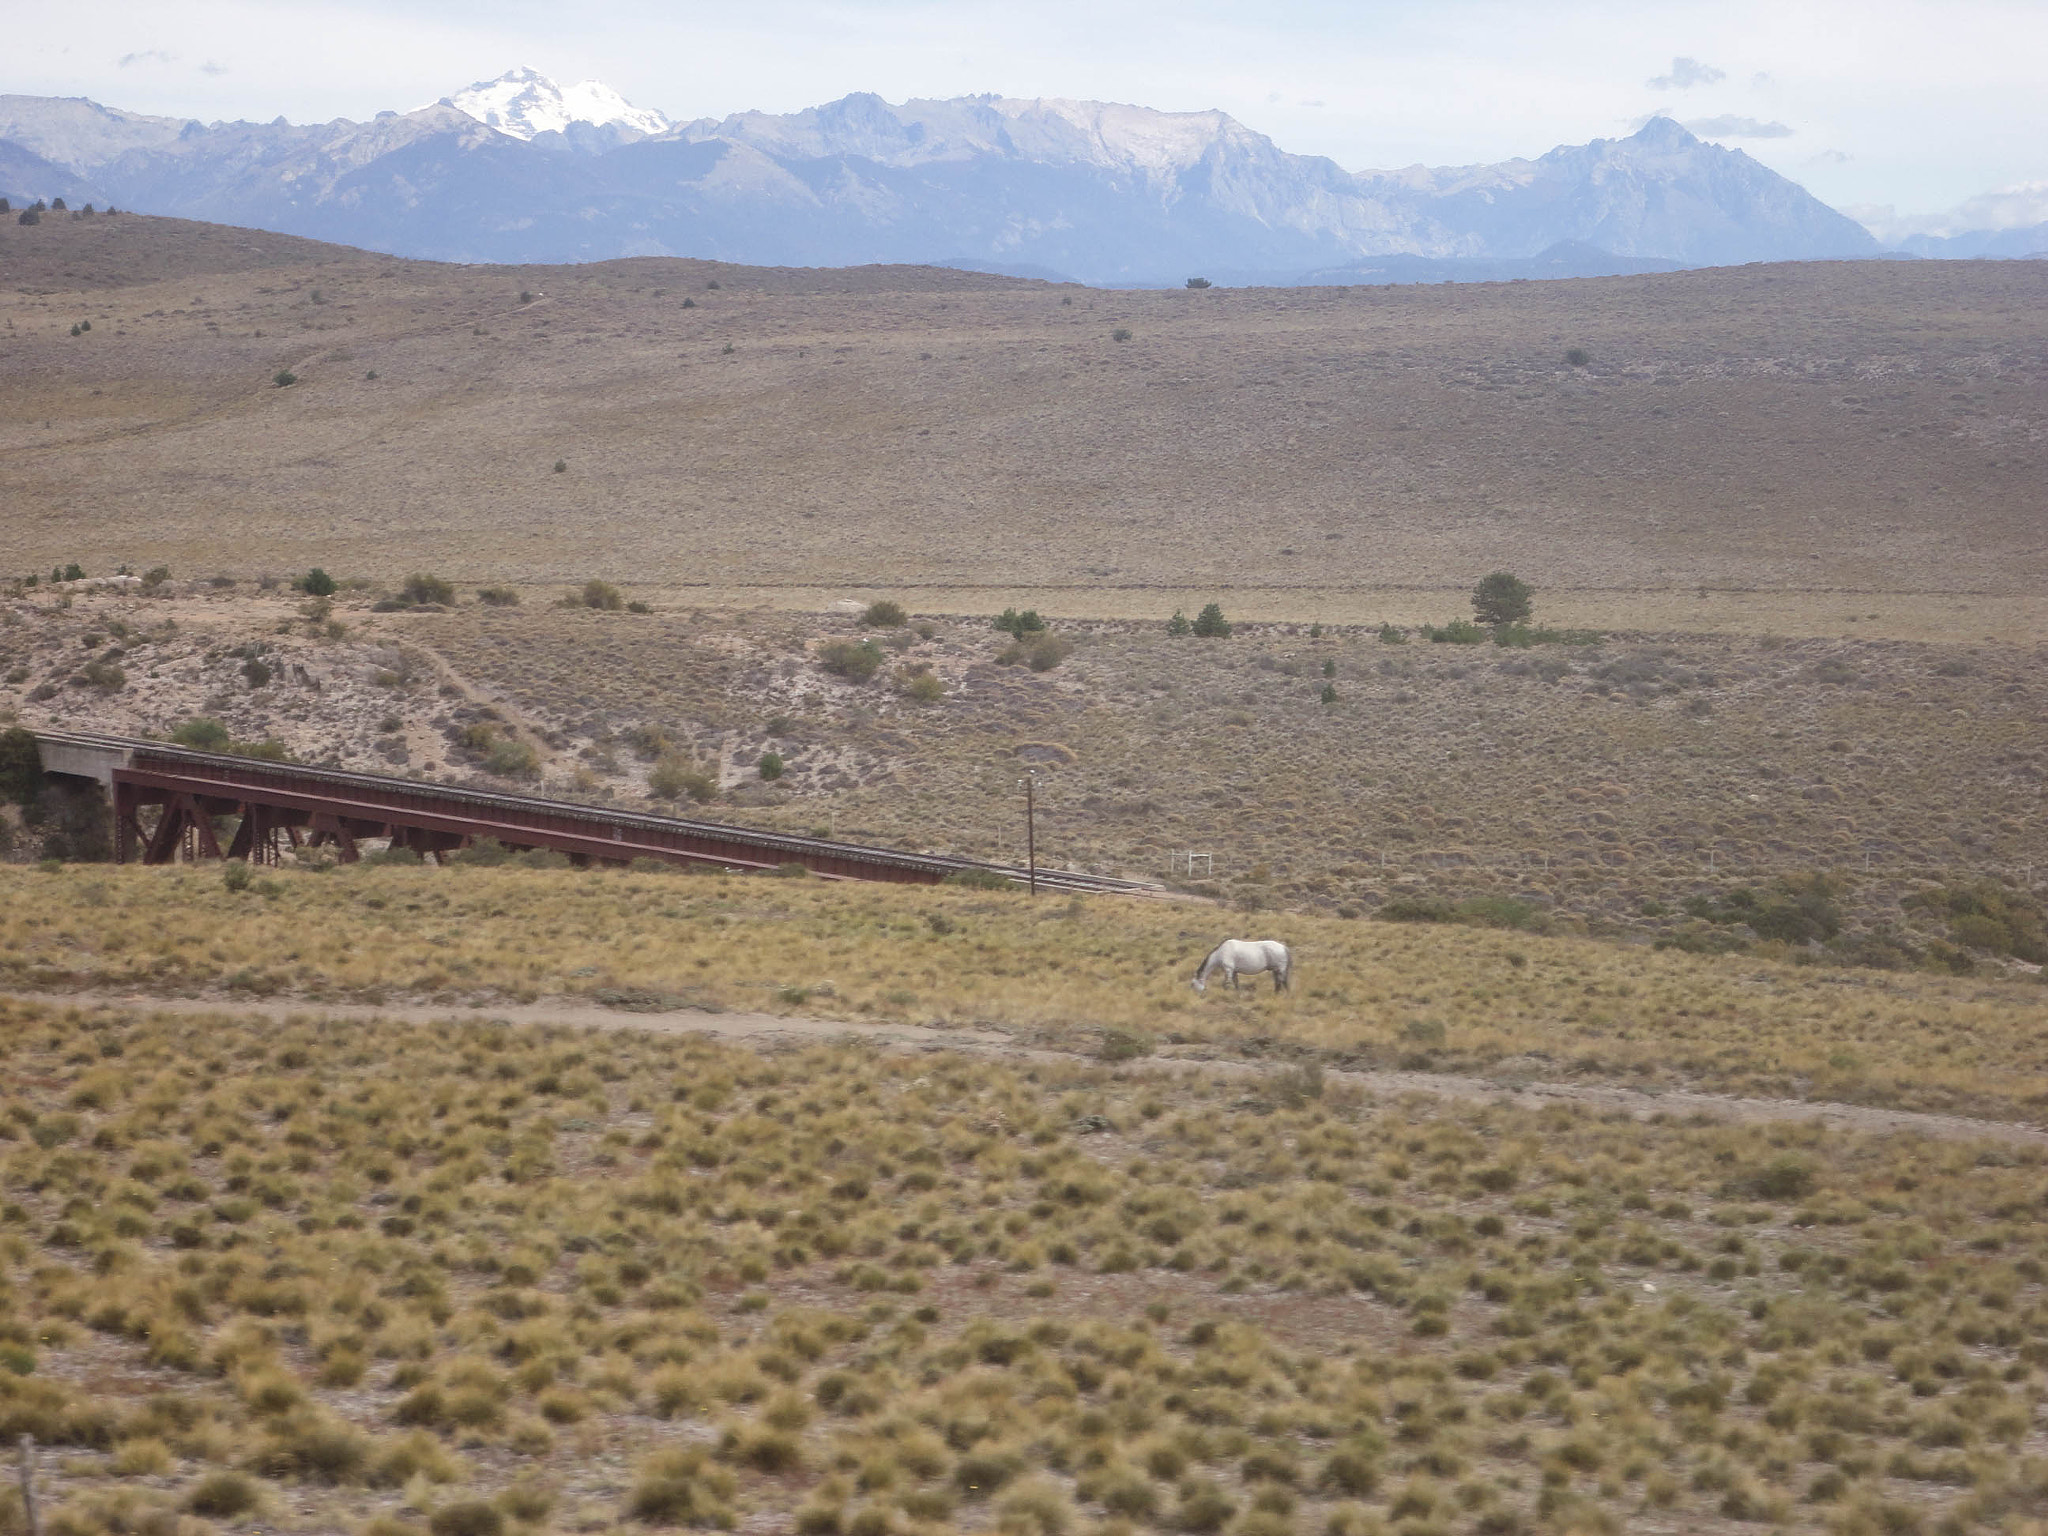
(1057, 972)
(1817, 430)
(1639, 783)
(466, 1278)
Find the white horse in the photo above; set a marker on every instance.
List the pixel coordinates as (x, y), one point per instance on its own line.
(1249, 957)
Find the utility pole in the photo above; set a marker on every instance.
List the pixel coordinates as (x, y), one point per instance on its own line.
(1031, 829)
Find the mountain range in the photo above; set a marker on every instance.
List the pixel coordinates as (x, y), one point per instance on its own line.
(519, 169)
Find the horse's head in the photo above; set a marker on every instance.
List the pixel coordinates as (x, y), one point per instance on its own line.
(1199, 984)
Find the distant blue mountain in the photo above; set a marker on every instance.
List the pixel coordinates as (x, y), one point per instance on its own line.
(1099, 192)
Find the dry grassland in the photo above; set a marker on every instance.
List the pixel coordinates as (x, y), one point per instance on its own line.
(1846, 428)
(473, 1279)
(1061, 972)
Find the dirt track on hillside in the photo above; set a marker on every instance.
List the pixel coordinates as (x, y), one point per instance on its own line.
(780, 1030)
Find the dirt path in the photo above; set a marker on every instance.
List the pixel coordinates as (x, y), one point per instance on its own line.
(770, 1029)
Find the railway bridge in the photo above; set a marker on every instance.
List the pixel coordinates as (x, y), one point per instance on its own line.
(173, 802)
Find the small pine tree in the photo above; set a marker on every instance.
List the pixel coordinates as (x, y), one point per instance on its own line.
(1198, 282)
(1210, 623)
(317, 583)
(1178, 624)
(1502, 599)
(1329, 693)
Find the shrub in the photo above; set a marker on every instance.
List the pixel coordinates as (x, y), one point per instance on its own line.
(510, 758)
(1502, 599)
(981, 880)
(155, 577)
(603, 596)
(1123, 1045)
(497, 597)
(102, 675)
(1457, 632)
(1577, 357)
(561, 466)
(201, 733)
(1178, 624)
(885, 615)
(420, 588)
(1210, 623)
(222, 1496)
(672, 777)
(924, 688)
(856, 661)
(236, 875)
(284, 378)
(21, 765)
(257, 672)
(769, 766)
(317, 583)
(1121, 333)
(1011, 622)
(1783, 1178)
(29, 216)
(466, 1517)
(1041, 653)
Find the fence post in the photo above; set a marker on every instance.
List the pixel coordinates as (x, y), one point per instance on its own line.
(30, 1515)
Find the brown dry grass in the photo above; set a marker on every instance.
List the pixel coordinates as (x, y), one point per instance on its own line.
(1062, 971)
(1871, 426)
(463, 1278)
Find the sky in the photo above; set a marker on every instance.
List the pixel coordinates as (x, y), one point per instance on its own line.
(1903, 104)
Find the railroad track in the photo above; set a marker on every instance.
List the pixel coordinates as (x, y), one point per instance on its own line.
(340, 805)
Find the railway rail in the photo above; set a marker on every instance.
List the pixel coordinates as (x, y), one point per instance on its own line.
(169, 803)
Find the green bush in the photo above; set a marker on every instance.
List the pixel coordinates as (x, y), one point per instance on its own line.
(885, 615)
(1502, 599)
(102, 675)
(421, 588)
(1041, 652)
(1390, 635)
(981, 880)
(1016, 624)
(1797, 909)
(236, 875)
(284, 378)
(924, 688)
(1988, 916)
(1210, 623)
(21, 765)
(510, 758)
(317, 583)
(1457, 632)
(770, 766)
(672, 777)
(601, 595)
(1178, 624)
(201, 733)
(497, 597)
(856, 661)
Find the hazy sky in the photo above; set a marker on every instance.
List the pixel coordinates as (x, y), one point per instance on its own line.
(1903, 102)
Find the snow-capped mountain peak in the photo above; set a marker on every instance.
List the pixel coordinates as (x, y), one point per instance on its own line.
(523, 102)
